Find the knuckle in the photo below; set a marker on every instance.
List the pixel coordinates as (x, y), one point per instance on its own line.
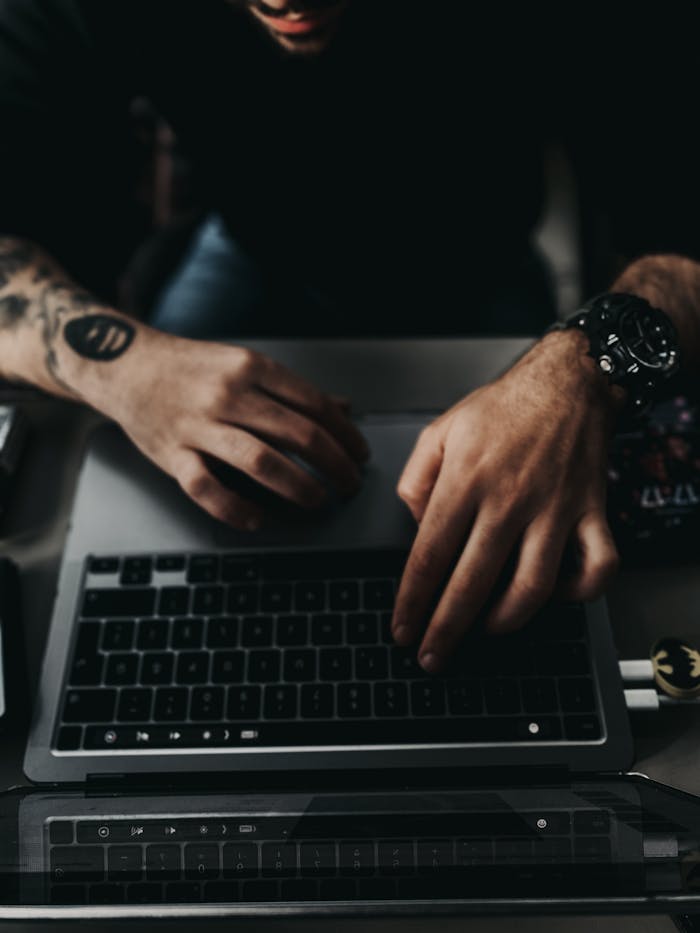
(532, 590)
(258, 459)
(195, 482)
(424, 562)
(247, 362)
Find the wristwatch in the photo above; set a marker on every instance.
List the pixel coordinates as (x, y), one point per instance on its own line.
(634, 344)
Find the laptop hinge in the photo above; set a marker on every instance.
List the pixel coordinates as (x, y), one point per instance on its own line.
(319, 782)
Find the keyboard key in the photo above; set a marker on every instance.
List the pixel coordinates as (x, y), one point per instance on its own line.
(281, 701)
(240, 860)
(243, 599)
(67, 894)
(183, 892)
(244, 702)
(118, 635)
(203, 568)
(576, 695)
(533, 728)
(279, 859)
(385, 628)
(135, 705)
(264, 667)
(464, 697)
(207, 703)
(396, 858)
(202, 861)
(87, 662)
(592, 821)
(227, 667)
(171, 704)
(434, 854)
(356, 858)
(220, 892)
(391, 699)
(378, 594)
(335, 663)
(592, 848)
(124, 863)
(276, 597)
(106, 894)
(371, 663)
(208, 600)
(310, 596)
(136, 571)
(317, 701)
(235, 568)
(292, 630)
(89, 705)
(143, 893)
(539, 695)
(222, 633)
(170, 563)
(327, 629)
(581, 728)
(362, 628)
(564, 658)
(152, 634)
(157, 668)
(300, 665)
(257, 632)
(60, 832)
(344, 595)
(404, 664)
(187, 633)
(502, 696)
(121, 669)
(318, 858)
(77, 863)
(126, 602)
(353, 700)
(192, 667)
(104, 565)
(69, 738)
(174, 601)
(428, 698)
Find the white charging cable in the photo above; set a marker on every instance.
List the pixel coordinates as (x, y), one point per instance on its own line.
(641, 699)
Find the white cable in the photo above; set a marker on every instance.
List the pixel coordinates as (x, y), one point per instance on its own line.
(641, 700)
(637, 671)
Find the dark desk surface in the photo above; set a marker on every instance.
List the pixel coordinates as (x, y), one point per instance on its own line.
(379, 376)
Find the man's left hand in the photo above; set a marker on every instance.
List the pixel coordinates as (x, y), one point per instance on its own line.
(505, 479)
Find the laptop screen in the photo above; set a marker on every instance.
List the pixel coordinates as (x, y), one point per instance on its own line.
(623, 844)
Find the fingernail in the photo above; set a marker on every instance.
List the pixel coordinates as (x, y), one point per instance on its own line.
(429, 662)
(401, 634)
(253, 524)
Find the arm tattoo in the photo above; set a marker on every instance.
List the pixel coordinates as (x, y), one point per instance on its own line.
(12, 310)
(98, 336)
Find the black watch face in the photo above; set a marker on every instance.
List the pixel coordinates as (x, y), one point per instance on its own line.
(649, 338)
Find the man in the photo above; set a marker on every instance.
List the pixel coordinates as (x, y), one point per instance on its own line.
(369, 153)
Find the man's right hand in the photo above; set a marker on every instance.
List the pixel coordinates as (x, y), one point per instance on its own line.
(183, 401)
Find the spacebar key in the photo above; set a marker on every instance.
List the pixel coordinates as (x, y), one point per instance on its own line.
(139, 601)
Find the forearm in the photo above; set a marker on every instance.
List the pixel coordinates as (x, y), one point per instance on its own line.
(671, 283)
(54, 334)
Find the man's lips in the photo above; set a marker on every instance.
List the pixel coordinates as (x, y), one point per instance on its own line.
(308, 22)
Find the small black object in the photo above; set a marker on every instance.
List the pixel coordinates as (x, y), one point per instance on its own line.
(13, 687)
(13, 433)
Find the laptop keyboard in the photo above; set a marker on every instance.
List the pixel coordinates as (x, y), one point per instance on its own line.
(294, 649)
(226, 858)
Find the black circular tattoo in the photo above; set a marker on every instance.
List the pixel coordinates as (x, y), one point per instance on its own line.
(99, 336)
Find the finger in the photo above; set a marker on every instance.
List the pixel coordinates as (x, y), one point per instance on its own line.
(487, 550)
(277, 424)
(286, 385)
(599, 559)
(421, 471)
(342, 401)
(534, 579)
(263, 464)
(221, 503)
(439, 540)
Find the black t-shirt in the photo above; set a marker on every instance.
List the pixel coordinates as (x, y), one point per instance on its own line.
(399, 173)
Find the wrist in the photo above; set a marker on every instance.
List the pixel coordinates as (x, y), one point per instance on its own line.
(569, 354)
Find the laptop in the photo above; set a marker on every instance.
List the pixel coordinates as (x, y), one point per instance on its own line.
(186, 659)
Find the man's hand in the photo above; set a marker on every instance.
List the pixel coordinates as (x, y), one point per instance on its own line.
(182, 401)
(504, 479)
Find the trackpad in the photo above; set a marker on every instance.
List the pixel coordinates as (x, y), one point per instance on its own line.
(374, 516)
